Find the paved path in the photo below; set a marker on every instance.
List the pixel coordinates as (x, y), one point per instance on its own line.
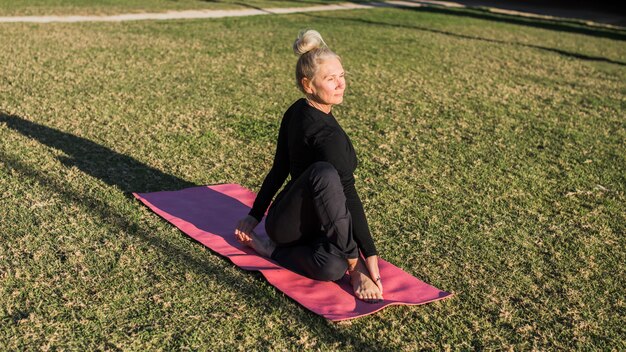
(190, 14)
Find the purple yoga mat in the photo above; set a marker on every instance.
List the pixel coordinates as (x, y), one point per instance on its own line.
(209, 214)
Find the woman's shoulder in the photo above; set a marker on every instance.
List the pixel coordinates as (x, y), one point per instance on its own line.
(300, 112)
(296, 107)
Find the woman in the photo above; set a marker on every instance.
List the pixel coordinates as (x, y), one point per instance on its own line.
(316, 225)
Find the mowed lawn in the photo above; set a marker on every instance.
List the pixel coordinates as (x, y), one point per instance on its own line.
(492, 165)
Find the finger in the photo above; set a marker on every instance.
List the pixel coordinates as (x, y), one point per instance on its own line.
(242, 238)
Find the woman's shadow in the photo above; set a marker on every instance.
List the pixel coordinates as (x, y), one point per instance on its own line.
(131, 175)
(113, 168)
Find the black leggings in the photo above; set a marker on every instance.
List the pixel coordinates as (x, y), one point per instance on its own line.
(311, 225)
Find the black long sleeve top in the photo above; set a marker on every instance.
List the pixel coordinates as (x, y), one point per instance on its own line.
(307, 135)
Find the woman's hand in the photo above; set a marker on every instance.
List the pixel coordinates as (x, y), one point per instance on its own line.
(244, 227)
(371, 263)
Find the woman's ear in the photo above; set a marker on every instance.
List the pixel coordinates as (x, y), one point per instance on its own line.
(306, 84)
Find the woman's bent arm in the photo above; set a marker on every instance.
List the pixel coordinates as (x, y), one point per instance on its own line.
(276, 177)
(360, 227)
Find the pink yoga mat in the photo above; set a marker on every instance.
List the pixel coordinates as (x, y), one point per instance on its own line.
(209, 214)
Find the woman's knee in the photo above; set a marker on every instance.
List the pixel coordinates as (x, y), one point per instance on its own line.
(324, 174)
(323, 168)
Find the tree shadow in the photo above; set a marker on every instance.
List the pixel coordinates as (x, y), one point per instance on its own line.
(327, 2)
(319, 2)
(464, 36)
(128, 174)
(476, 11)
(554, 25)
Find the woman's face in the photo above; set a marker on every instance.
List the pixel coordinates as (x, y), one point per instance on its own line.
(329, 83)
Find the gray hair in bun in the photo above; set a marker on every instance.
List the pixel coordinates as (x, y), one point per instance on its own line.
(312, 51)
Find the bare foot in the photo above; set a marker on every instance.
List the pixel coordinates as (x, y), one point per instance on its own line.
(262, 245)
(364, 288)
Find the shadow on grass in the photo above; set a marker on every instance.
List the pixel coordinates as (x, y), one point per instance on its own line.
(553, 25)
(464, 36)
(131, 175)
(115, 169)
(477, 12)
(281, 4)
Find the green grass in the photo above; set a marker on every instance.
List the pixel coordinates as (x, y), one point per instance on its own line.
(492, 165)
(102, 7)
